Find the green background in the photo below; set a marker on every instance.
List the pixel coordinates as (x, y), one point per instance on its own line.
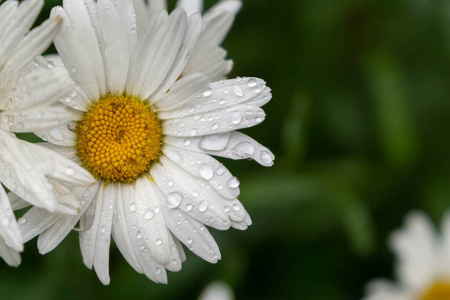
(358, 123)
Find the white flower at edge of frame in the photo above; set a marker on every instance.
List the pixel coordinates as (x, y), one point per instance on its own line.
(29, 89)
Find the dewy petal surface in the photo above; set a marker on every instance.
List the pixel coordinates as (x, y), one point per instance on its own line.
(114, 51)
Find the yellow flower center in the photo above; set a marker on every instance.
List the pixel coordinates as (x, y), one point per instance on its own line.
(119, 138)
(438, 291)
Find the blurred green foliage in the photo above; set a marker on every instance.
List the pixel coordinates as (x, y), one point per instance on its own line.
(357, 121)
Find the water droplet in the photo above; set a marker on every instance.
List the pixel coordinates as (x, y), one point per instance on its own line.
(258, 120)
(189, 241)
(158, 242)
(216, 142)
(22, 220)
(236, 207)
(133, 206)
(233, 182)
(236, 117)
(174, 199)
(103, 229)
(70, 171)
(214, 126)
(139, 235)
(188, 207)
(203, 206)
(266, 158)
(206, 172)
(244, 149)
(207, 93)
(158, 271)
(149, 214)
(220, 170)
(187, 142)
(252, 82)
(237, 90)
(194, 132)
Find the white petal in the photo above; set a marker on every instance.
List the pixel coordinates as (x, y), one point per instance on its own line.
(192, 199)
(37, 88)
(155, 24)
(7, 10)
(22, 19)
(191, 6)
(205, 167)
(193, 29)
(32, 45)
(232, 6)
(209, 201)
(127, 15)
(79, 19)
(156, 6)
(215, 121)
(224, 94)
(103, 238)
(35, 221)
(142, 15)
(114, 48)
(162, 54)
(151, 221)
(120, 233)
(8, 226)
(52, 237)
(60, 135)
(233, 145)
(193, 234)
(216, 28)
(209, 60)
(152, 269)
(60, 168)
(182, 91)
(17, 202)
(38, 118)
(11, 256)
(74, 54)
(176, 259)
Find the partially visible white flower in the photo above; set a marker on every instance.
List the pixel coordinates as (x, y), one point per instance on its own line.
(29, 87)
(207, 57)
(217, 290)
(423, 267)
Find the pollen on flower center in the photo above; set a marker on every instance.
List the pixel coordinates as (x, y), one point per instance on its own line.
(438, 291)
(119, 138)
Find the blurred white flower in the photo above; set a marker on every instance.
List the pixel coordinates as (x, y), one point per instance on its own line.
(217, 290)
(146, 133)
(29, 89)
(423, 267)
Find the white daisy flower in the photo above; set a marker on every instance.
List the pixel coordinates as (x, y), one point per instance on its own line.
(423, 267)
(28, 90)
(207, 56)
(147, 133)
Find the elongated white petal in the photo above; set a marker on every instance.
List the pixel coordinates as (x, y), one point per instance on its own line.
(151, 221)
(222, 95)
(39, 87)
(35, 221)
(22, 19)
(8, 226)
(162, 54)
(9, 255)
(156, 6)
(121, 235)
(103, 238)
(180, 194)
(142, 15)
(207, 168)
(215, 121)
(191, 6)
(7, 10)
(127, 16)
(232, 6)
(73, 53)
(78, 14)
(32, 45)
(115, 48)
(183, 91)
(151, 268)
(197, 188)
(233, 145)
(193, 30)
(60, 135)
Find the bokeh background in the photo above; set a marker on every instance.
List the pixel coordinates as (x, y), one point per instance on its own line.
(359, 124)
